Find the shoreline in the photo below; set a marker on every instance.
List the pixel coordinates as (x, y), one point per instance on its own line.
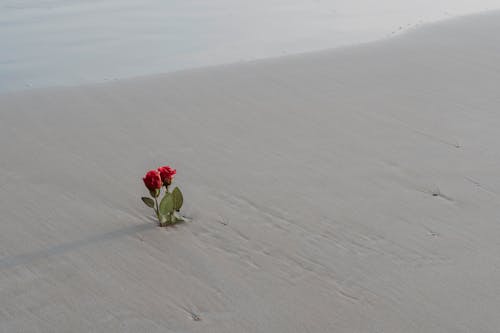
(69, 72)
(426, 27)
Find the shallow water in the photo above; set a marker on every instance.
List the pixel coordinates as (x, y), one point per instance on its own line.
(69, 42)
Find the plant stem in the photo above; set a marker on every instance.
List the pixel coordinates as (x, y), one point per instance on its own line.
(169, 216)
(157, 208)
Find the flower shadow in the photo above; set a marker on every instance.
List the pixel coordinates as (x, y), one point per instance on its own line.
(25, 258)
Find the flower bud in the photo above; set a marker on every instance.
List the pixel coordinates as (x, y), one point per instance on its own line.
(167, 174)
(153, 182)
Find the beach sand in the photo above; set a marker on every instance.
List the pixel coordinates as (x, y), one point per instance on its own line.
(351, 190)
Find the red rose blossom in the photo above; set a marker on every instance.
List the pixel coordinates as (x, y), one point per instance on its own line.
(167, 174)
(167, 210)
(152, 180)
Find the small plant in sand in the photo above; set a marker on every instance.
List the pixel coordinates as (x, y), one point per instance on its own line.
(167, 209)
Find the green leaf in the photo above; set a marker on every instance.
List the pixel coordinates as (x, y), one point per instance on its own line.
(180, 218)
(167, 204)
(177, 198)
(149, 202)
(163, 220)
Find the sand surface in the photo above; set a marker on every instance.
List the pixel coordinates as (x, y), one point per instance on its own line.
(47, 43)
(353, 190)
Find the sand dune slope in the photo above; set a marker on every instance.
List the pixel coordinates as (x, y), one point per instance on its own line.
(354, 190)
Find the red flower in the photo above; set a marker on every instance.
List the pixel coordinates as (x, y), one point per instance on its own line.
(152, 180)
(167, 174)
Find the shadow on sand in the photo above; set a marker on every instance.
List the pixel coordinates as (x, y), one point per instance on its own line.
(22, 259)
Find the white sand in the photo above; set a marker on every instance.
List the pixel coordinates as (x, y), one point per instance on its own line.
(310, 180)
(69, 42)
